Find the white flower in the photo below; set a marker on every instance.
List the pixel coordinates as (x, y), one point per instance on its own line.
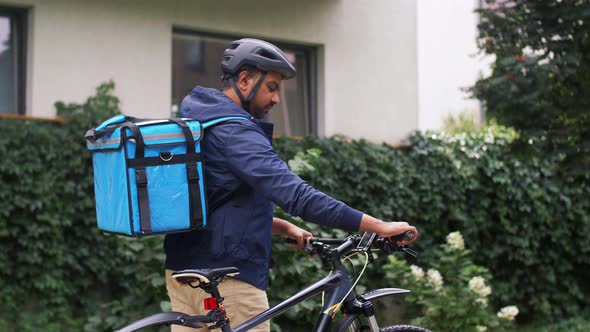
(478, 286)
(484, 292)
(508, 312)
(481, 328)
(476, 283)
(417, 272)
(455, 241)
(482, 300)
(435, 279)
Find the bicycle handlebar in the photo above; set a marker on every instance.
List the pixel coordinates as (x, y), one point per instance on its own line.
(347, 244)
(409, 235)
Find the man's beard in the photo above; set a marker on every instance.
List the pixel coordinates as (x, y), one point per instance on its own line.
(260, 113)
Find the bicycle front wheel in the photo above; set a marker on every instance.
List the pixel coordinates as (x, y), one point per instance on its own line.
(351, 324)
(404, 328)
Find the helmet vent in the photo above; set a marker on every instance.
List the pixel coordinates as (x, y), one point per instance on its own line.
(267, 54)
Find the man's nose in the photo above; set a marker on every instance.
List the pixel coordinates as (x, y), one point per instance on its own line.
(275, 99)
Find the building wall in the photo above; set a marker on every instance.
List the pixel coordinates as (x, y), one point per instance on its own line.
(448, 60)
(367, 67)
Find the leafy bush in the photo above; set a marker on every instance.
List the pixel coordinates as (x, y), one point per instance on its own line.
(541, 73)
(58, 269)
(569, 325)
(524, 218)
(452, 295)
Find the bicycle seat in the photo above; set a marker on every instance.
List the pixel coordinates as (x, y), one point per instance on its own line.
(204, 275)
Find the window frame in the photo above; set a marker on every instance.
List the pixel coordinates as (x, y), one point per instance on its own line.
(310, 52)
(19, 26)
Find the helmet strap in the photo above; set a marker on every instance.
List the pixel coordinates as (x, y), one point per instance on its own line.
(246, 101)
(254, 90)
(242, 100)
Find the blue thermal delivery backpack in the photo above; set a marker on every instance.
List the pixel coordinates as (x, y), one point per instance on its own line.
(148, 174)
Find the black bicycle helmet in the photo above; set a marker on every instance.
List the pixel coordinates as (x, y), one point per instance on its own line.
(257, 53)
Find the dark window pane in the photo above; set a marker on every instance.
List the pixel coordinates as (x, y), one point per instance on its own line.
(7, 67)
(12, 61)
(196, 61)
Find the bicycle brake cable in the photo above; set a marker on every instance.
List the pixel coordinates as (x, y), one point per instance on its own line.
(353, 268)
(351, 262)
(337, 306)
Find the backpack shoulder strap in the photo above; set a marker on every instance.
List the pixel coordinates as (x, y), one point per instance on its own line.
(223, 119)
(220, 198)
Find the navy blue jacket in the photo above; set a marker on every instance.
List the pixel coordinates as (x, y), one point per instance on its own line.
(240, 163)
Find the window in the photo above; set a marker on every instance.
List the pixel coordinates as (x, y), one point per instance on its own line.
(196, 61)
(12, 60)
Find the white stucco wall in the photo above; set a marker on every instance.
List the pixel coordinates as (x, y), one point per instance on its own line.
(448, 59)
(367, 73)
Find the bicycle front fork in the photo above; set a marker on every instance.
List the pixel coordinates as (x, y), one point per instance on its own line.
(369, 312)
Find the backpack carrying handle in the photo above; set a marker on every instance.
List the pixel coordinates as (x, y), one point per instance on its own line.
(115, 119)
(109, 126)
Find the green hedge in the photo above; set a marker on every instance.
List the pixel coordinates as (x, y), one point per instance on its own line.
(523, 219)
(56, 268)
(520, 216)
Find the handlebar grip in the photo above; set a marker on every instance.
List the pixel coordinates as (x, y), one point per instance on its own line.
(293, 241)
(409, 235)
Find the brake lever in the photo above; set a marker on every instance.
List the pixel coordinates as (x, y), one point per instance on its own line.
(391, 247)
(370, 256)
(309, 249)
(409, 252)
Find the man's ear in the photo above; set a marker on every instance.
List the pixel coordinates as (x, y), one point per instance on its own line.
(244, 79)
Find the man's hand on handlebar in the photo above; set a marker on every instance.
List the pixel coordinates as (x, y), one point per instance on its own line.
(388, 229)
(290, 231)
(298, 234)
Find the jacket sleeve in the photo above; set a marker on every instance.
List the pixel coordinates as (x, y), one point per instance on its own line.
(251, 157)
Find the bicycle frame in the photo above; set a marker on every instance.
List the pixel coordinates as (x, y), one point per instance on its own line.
(337, 283)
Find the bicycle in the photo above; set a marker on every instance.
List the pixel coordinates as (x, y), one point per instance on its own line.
(358, 312)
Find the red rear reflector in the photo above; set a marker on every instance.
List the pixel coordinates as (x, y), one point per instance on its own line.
(211, 303)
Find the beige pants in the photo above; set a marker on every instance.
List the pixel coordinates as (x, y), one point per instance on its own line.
(242, 301)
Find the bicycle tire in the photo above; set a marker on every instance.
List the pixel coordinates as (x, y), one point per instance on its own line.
(404, 328)
(348, 324)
